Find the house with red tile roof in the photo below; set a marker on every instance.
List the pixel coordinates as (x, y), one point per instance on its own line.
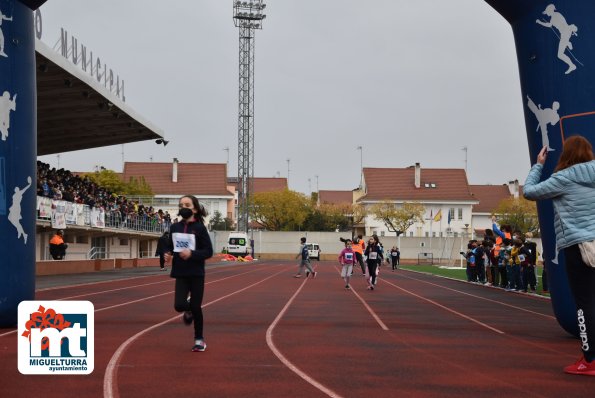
(170, 181)
(335, 197)
(444, 193)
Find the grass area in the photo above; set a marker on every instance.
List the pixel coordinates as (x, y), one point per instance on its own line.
(459, 273)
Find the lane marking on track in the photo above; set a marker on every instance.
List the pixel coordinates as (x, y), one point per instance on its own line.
(110, 388)
(484, 298)
(142, 299)
(122, 279)
(446, 308)
(285, 361)
(370, 310)
(153, 283)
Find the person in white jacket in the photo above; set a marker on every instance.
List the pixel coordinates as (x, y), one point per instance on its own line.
(572, 190)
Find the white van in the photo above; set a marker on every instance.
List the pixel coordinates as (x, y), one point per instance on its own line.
(238, 244)
(313, 250)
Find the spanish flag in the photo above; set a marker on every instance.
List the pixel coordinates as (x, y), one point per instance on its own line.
(438, 216)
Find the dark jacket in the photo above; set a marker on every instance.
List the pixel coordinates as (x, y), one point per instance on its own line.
(195, 265)
(374, 248)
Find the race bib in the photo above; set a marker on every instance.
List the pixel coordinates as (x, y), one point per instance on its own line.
(183, 241)
(373, 255)
(521, 257)
(349, 257)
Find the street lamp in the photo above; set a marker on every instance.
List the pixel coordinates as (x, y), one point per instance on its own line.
(361, 165)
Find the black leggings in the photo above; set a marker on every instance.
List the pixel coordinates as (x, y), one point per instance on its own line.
(372, 265)
(581, 278)
(196, 287)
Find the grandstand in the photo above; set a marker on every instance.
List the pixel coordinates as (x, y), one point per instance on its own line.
(87, 115)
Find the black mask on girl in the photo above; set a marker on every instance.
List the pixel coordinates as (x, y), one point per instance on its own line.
(186, 213)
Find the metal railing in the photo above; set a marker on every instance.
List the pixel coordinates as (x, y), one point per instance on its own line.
(114, 219)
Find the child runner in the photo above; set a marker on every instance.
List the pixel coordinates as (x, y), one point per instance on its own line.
(347, 258)
(189, 246)
(305, 261)
(373, 255)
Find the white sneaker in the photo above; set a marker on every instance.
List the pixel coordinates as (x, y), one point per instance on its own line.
(199, 345)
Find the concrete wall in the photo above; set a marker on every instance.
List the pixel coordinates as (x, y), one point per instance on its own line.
(60, 267)
(285, 245)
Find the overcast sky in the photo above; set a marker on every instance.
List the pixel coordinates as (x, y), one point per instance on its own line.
(409, 81)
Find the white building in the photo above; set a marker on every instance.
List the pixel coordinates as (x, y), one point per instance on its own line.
(444, 193)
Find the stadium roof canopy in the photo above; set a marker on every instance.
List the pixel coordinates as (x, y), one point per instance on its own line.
(76, 112)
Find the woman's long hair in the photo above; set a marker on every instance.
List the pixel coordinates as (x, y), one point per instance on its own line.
(576, 150)
(201, 213)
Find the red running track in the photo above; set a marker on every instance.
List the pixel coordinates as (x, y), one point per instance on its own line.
(271, 335)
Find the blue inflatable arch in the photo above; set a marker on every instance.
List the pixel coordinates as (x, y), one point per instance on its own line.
(556, 66)
(557, 69)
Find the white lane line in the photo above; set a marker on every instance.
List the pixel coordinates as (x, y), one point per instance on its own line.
(285, 361)
(370, 310)
(123, 279)
(142, 299)
(483, 298)
(446, 308)
(110, 387)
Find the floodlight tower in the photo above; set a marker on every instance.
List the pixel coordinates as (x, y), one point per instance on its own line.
(248, 16)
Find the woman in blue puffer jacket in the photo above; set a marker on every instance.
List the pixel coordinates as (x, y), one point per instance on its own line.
(572, 190)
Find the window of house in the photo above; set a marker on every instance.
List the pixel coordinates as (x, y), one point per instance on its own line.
(460, 213)
(123, 242)
(433, 234)
(456, 234)
(427, 234)
(381, 233)
(451, 213)
(411, 233)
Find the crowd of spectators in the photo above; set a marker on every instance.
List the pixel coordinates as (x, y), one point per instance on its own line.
(506, 258)
(119, 211)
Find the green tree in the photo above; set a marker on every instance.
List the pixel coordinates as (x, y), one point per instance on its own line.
(519, 213)
(280, 210)
(107, 179)
(218, 223)
(398, 219)
(112, 181)
(137, 187)
(357, 214)
(328, 217)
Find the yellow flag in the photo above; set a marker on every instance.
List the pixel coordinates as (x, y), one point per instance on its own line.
(438, 216)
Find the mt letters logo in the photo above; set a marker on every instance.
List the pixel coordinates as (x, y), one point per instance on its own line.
(56, 337)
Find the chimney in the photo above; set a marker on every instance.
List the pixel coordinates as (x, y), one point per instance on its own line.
(417, 175)
(174, 177)
(513, 188)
